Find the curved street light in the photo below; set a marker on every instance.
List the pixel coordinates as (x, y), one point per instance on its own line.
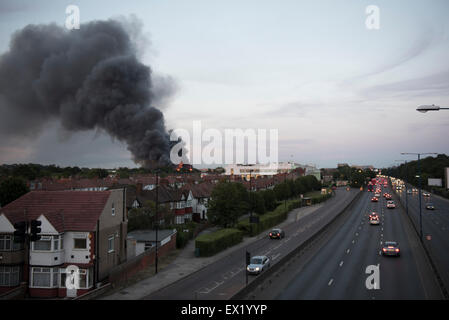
(425, 108)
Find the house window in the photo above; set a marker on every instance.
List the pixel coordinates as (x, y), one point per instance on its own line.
(57, 243)
(55, 277)
(42, 277)
(113, 210)
(111, 244)
(9, 276)
(44, 244)
(80, 243)
(5, 242)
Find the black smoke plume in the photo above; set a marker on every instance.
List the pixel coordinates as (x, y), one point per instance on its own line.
(88, 79)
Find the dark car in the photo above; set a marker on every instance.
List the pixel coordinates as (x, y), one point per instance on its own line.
(430, 206)
(391, 248)
(276, 234)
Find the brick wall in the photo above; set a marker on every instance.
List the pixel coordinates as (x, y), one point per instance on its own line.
(126, 270)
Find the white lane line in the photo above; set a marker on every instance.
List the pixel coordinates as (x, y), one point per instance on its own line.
(353, 241)
(275, 257)
(341, 263)
(330, 282)
(347, 251)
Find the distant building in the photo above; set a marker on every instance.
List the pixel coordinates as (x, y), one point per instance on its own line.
(254, 170)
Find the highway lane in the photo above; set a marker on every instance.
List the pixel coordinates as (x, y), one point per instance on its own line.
(337, 270)
(223, 278)
(434, 223)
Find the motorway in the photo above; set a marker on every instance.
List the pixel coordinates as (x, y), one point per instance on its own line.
(225, 277)
(337, 268)
(435, 223)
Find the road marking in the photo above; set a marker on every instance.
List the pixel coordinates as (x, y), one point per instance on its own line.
(341, 263)
(276, 256)
(330, 282)
(347, 251)
(353, 241)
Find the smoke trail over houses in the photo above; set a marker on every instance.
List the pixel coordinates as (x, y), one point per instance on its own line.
(87, 79)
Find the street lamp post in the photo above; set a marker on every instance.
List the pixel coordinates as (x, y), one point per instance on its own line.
(250, 201)
(419, 186)
(425, 108)
(156, 217)
(406, 193)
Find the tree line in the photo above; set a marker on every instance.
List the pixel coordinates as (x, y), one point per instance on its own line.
(231, 200)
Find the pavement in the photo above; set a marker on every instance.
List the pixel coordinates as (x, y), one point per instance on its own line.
(187, 263)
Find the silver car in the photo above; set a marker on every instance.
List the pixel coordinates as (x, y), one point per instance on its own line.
(258, 264)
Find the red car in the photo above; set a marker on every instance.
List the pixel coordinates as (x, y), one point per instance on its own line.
(374, 199)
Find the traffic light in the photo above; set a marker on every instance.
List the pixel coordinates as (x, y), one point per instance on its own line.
(20, 232)
(35, 230)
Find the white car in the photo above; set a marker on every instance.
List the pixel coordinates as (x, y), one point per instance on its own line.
(426, 194)
(258, 264)
(390, 204)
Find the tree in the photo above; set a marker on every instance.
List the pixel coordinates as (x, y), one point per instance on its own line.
(229, 200)
(12, 189)
(269, 199)
(257, 203)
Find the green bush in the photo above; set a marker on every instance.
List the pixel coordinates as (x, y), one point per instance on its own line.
(266, 221)
(321, 198)
(210, 243)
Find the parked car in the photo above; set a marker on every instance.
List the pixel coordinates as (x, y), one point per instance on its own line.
(276, 234)
(391, 248)
(258, 264)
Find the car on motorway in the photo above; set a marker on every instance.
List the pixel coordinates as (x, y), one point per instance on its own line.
(391, 204)
(391, 248)
(426, 194)
(409, 191)
(258, 264)
(373, 214)
(276, 234)
(414, 190)
(374, 220)
(374, 199)
(377, 194)
(430, 206)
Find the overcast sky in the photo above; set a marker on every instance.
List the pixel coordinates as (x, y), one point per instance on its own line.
(335, 90)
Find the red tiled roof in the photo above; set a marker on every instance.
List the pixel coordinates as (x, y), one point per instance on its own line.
(66, 210)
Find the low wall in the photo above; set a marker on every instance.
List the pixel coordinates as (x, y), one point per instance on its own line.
(126, 270)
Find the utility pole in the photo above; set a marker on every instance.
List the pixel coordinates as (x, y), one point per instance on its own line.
(156, 218)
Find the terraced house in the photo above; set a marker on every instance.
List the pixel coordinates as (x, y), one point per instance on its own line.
(86, 229)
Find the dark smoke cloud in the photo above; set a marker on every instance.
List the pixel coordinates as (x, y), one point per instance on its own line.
(89, 79)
